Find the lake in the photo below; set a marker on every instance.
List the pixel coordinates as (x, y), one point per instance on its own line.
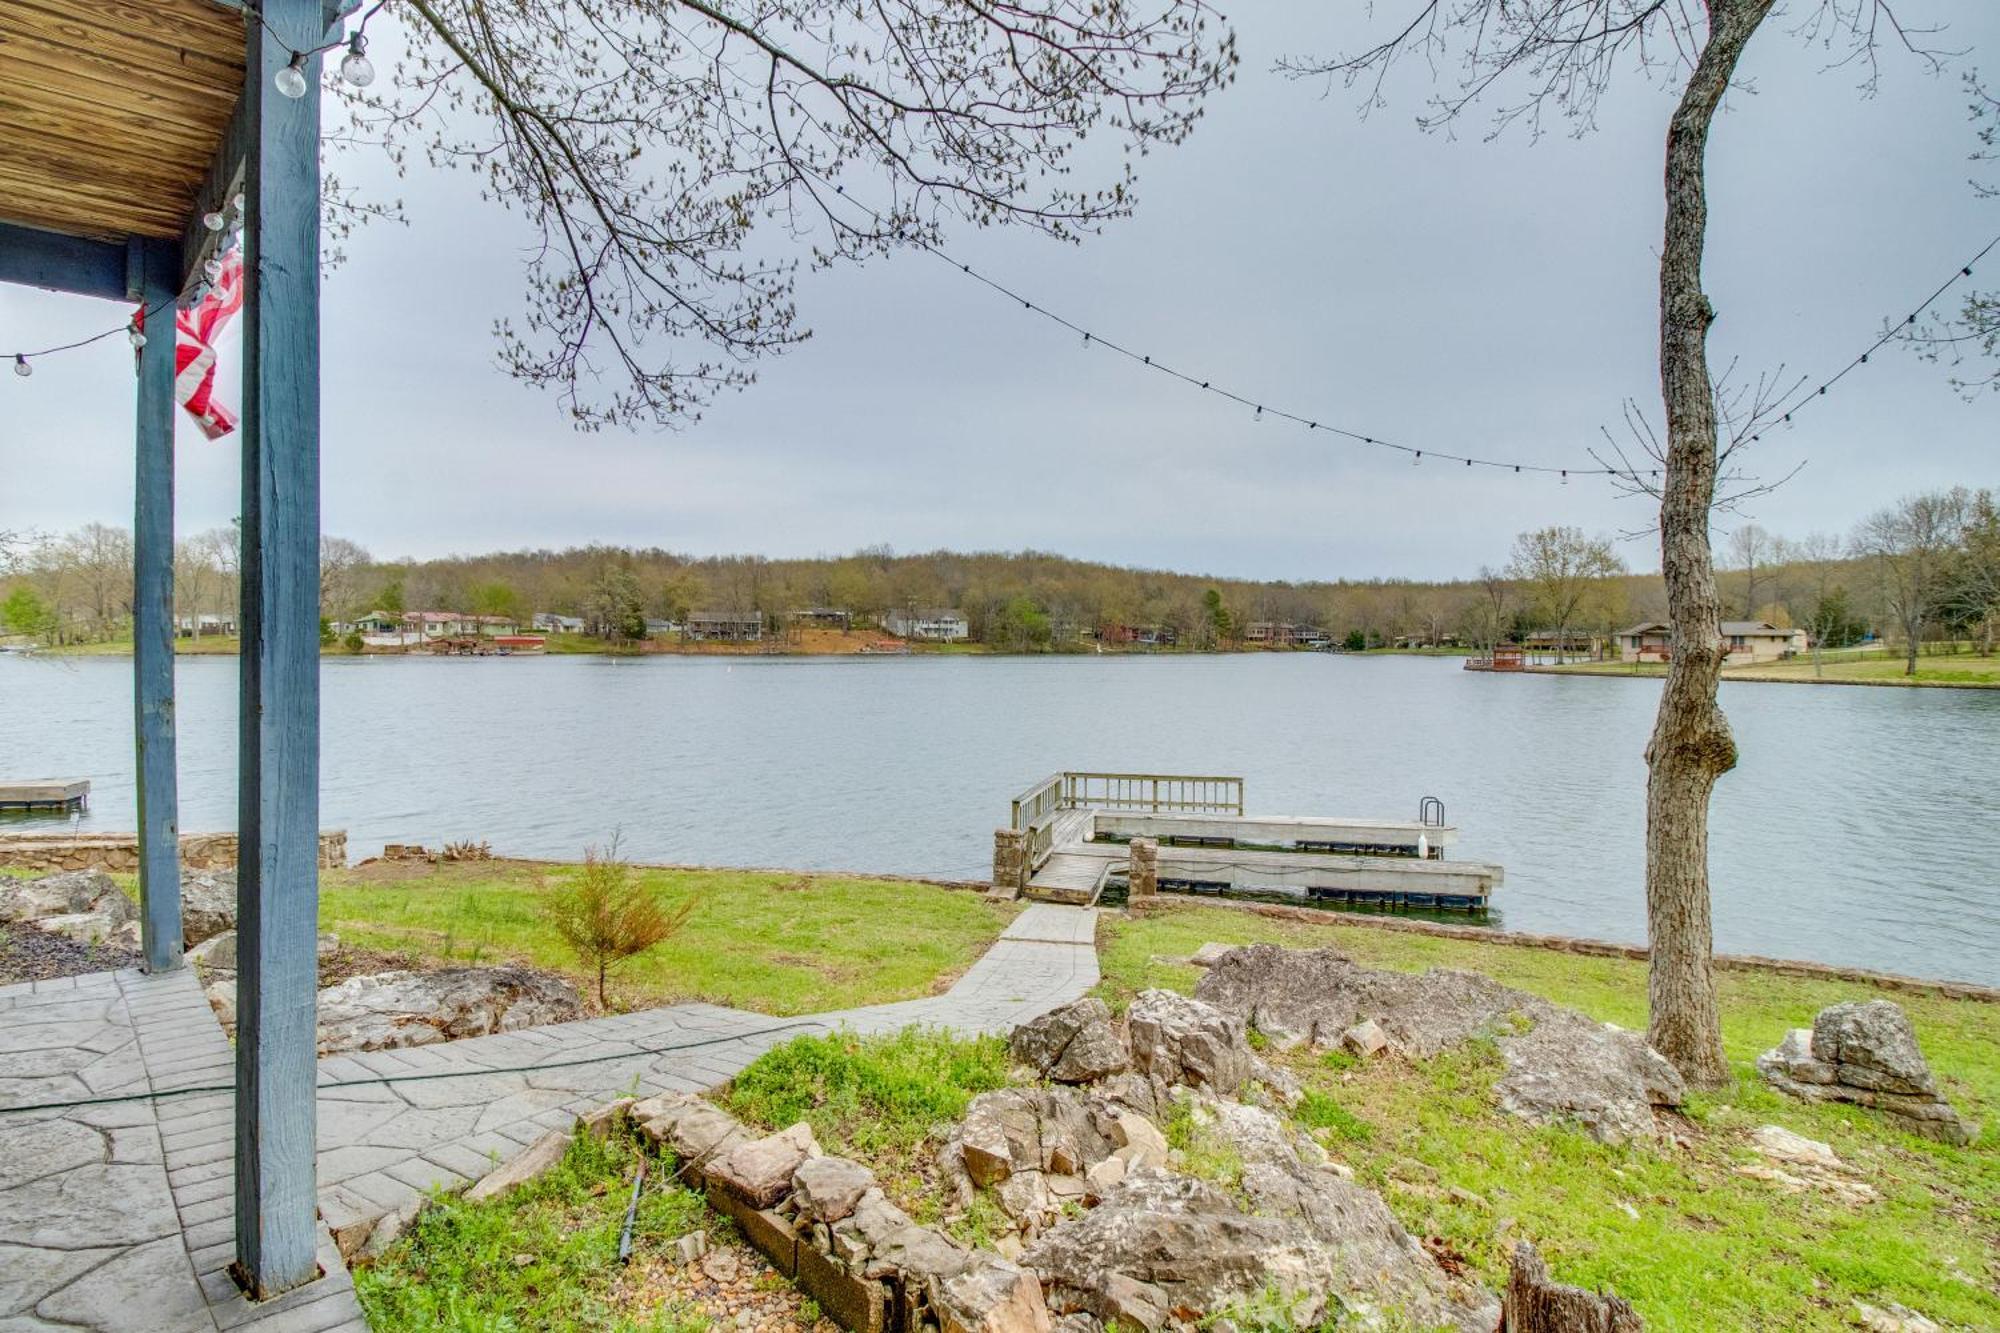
(1859, 827)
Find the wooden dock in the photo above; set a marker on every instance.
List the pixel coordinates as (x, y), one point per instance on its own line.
(60, 795)
(1076, 832)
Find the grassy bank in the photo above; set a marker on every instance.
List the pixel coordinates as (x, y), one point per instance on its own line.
(1691, 1242)
(777, 943)
(1962, 671)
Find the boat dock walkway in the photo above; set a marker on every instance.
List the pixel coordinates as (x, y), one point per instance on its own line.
(1070, 839)
(57, 794)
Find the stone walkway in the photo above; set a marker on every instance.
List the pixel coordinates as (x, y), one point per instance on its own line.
(100, 1203)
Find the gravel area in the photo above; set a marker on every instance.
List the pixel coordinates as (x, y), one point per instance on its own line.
(30, 954)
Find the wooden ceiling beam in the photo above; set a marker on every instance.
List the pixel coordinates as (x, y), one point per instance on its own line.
(37, 258)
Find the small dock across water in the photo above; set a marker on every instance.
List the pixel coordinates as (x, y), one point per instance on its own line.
(60, 795)
(1070, 837)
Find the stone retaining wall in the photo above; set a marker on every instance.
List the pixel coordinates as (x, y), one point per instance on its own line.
(118, 853)
(1951, 990)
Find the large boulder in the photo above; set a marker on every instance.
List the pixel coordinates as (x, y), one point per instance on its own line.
(208, 904)
(990, 1295)
(1561, 1065)
(1074, 1044)
(390, 1009)
(1867, 1054)
(1014, 1130)
(1177, 1040)
(73, 893)
(1162, 1247)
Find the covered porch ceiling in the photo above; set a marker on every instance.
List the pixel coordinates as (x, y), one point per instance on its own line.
(114, 115)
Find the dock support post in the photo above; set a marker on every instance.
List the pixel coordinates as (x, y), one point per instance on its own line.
(1142, 874)
(154, 268)
(1010, 862)
(278, 795)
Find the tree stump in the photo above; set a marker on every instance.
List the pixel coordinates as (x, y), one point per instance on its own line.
(1536, 1303)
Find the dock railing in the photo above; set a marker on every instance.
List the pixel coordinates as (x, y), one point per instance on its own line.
(1036, 810)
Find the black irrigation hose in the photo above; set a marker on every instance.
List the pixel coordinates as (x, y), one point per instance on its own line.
(387, 1079)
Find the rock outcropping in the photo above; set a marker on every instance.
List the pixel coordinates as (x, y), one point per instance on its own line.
(1867, 1054)
(390, 1009)
(82, 905)
(1561, 1066)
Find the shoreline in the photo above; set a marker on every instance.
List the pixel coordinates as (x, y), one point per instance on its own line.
(1898, 683)
(1519, 939)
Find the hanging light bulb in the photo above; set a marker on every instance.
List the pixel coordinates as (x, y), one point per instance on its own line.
(214, 220)
(236, 204)
(355, 67)
(291, 80)
(212, 268)
(21, 366)
(135, 336)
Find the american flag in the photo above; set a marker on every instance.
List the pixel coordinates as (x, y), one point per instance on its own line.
(199, 327)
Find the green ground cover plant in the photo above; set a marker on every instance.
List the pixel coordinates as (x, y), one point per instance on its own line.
(778, 943)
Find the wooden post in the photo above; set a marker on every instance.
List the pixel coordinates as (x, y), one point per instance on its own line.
(154, 273)
(278, 796)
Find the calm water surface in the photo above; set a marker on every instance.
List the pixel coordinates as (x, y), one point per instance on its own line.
(1862, 826)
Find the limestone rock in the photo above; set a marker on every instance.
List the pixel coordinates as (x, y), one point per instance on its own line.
(1073, 1044)
(1208, 955)
(691, 1247)
(1135, 1132)
(534, 1161)
(829, 1188)
(991, 1295)
(1866, 1054)
(1175, 1039)
(599, 1123)
(1162, 1244)
(1031, 1129)
(1782, 1145)
(391, 1009)
(91, 927)
(759, 1171)
(72, 893)
(1893, 1319)
(208, 904)
(694, 1129)
(1364, 1039)
(1560, 1064)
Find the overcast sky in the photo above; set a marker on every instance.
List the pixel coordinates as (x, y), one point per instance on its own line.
(1488, 298)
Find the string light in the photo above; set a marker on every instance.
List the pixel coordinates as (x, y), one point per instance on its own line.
(214, 220)
(291, 80)
(356, 69)
(135, 335)
(21, 366)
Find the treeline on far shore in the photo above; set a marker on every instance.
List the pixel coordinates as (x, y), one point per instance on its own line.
(1924, 568)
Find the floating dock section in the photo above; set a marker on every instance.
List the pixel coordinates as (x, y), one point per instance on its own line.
(60, 795)
(1072, 836)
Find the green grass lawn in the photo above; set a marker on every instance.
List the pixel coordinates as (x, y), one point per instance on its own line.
(1963, 669)
(1677, 1231)
(777, 943)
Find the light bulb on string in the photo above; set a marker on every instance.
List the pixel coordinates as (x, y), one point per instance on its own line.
(21, 366)
(356, 69)
(212, 267)
(135, 336)
(214, 219)
(291, 80)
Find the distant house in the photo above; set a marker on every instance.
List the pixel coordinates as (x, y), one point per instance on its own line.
(724, 626)
(1563, 643)
(659, 629)
(1144, 636)
(549, 623)
(1742, 641)
(823, 617)
(935, 626)
(441, 624)
(378, 622)
(204, 624)
(1284, 634)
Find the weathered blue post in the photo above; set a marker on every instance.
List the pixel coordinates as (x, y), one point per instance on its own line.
(278, 799)
(153, 280)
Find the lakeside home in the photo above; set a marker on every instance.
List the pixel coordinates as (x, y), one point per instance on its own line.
(724, 626)
(1744, 640)
(1285, 634)
(934, 626)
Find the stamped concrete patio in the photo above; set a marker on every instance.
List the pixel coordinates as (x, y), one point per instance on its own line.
(117, 1216)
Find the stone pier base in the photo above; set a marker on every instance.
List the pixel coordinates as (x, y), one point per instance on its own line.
(1143, 873)
(1010, 862)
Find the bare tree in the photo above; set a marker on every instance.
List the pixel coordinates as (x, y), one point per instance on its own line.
(1566, 53)
(1818, 556)
(1750, 550)
(1562, 567)
(341, 565)
(652, 145)
(1912, 544)
(1973, 331)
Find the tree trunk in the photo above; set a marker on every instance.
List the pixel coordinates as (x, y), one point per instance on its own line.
(1691, 744)
(1536, 1303)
